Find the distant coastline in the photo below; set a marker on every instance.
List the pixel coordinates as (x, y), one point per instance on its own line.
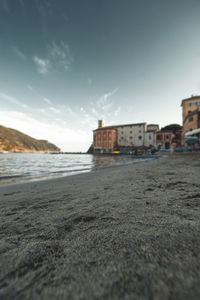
(14, 141)
(43, 152)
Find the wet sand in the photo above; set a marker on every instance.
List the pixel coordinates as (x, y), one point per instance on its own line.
(128, 232)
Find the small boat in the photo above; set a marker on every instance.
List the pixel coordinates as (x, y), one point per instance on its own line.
(139, 155)
(116, 152)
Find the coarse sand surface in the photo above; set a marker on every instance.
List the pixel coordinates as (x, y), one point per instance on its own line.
(126, 232)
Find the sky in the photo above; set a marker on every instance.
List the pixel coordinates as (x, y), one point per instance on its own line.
(65, 64)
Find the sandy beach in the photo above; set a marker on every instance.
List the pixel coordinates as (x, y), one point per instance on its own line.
(126, 232)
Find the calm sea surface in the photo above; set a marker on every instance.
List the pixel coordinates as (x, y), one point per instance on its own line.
(20, 167)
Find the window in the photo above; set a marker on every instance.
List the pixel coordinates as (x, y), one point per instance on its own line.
(139, 131)
(122, 132)
(130, 131)
(149, 136)
(122, 138)
(197, 103)
(130, 137)
(140, 137)
(190, 119)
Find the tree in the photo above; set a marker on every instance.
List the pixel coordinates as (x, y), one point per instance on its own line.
(172, 127)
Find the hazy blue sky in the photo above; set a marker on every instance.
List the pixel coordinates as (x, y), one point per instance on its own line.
(64, 64)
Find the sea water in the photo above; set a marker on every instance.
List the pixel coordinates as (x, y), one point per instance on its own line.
(21, 167)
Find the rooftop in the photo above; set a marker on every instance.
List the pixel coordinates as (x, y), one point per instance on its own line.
(191, 98)
(122, 125)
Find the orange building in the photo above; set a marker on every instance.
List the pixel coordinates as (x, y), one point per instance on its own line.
(105, 139)
(191, 114)
(163, 139)
(125, 136)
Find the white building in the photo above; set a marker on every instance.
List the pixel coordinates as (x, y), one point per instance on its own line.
(150, 135)
(131, 135)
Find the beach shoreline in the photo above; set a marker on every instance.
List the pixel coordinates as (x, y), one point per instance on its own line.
(13, 180)
(123, 232)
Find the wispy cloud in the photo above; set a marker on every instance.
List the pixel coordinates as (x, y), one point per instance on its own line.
(61, 134)
(104, 102)
(82, 110)
(12, 100)
(40, 5)
(44, 7)
(19, 53)
(55, 110)
(47, 100)
(117, 111)
(103, 107)
(30, 88)
(89, 81)
(95, 112)
(42, 65)
(60, 55)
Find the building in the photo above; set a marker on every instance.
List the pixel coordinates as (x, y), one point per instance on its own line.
(150, 135)
(109, 138)
(152, 127)
(191, 114)
(163, 139)
(104, 139)
(131, 135)
(191, 121)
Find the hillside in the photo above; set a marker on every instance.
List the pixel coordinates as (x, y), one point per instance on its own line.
(15, 141)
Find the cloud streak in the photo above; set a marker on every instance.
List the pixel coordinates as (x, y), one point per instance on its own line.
(55, 110)
(19, 53)
(60, 123)
(104, 102)
(117, 111)
(60, 55)
(12, 100)
(60, 134)
(42, 65)
(44, 7)
(46, 100)
(102, 108)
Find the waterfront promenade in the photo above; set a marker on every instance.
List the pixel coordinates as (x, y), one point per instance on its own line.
(127, 232)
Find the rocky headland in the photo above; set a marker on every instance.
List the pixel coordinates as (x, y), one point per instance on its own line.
(12, 140)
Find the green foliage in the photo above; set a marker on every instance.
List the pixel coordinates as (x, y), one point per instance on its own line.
(172, 127)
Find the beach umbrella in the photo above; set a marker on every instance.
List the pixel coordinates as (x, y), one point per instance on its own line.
(191, 140)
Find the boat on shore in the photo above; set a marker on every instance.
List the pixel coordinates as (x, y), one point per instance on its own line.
(134, 155)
